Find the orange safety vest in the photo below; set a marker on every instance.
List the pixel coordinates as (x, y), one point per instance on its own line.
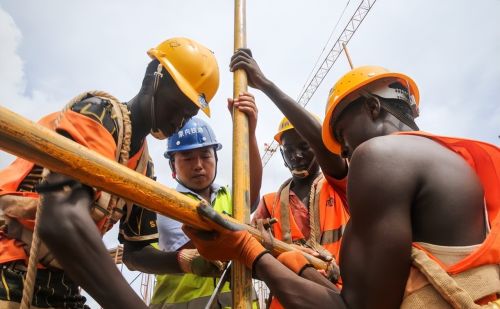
(82, 130)
(484, 159)
(332, 219)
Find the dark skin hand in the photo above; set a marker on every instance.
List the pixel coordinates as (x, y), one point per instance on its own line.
(245, 103)
(66, 219)
(304, 122)
(66, 225)
(298, 292)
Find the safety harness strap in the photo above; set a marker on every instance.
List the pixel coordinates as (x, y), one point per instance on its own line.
(458, 291)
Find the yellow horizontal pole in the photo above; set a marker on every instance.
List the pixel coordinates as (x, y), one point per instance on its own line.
(24, 138)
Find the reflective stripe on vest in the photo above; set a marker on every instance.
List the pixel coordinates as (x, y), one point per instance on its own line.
(331, 216)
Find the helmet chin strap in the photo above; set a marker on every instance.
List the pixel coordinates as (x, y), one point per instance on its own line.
(304, 173)
(155, 131)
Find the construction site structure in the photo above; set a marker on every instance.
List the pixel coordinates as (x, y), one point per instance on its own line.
(312, 84)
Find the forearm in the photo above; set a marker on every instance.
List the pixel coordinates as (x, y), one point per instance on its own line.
(312, 274)
(255, 171)
(73, 238)
(308, 127)
(149, 260)
(297, 292)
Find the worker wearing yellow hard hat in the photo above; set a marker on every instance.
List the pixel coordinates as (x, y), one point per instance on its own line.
(286, 125)
(303, 171)
(181, 78)
(194, 70)
(192, 66)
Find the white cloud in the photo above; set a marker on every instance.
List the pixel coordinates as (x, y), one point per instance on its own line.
(449, 47)
(11, 64)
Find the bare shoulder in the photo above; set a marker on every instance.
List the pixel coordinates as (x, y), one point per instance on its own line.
(394, 150)
(387, 164)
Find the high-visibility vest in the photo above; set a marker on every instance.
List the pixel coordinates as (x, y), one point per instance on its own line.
(483, 263)
(189, 290)
(327, 214)
(330, 216)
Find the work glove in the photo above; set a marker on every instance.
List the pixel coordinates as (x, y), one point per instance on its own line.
(190, 261)
(294, 260)
(324, 255)
(332, 272)
(297, 262)
(226, 241)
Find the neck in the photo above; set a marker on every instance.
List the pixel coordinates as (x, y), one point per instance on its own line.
(395, 126)
(205, 193)
(305, 182)
(139, 116)
(391, 124)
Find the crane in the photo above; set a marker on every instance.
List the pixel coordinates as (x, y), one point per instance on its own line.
(320, 74)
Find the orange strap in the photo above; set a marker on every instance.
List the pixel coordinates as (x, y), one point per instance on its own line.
(484, 159)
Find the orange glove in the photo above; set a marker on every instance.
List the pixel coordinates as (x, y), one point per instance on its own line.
(294, 260)
(226, 241)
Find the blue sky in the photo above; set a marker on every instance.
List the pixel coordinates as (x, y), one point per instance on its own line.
(53, 50)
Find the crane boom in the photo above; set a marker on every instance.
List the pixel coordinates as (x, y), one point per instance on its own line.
(313, 83)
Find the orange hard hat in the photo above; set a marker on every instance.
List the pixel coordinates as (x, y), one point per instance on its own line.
(372, 79)
(192, 66)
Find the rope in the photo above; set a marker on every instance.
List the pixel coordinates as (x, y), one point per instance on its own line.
(313, 211)
(441, 281)
(126, 138)
(314, 220)
(29, 282)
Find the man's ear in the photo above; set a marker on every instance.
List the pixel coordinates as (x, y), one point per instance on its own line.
(172, 167)
(373, 107)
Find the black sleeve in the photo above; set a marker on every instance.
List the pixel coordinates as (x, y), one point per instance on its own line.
(100, 110)
(140, 226)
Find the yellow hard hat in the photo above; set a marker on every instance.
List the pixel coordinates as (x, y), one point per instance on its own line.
(366, 78)
(192, 66)
(285, 125)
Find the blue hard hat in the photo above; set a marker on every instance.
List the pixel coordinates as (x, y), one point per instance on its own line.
(195, 133)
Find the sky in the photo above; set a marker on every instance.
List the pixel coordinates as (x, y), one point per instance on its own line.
(51, 51)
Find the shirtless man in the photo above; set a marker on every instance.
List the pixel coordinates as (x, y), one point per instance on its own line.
(411, 195)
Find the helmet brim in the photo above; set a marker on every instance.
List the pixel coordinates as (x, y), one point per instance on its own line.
(327, 135)
(168, 154)
(181, 82)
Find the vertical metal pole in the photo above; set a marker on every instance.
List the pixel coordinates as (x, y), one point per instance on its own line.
(241, 276)
(347, 55)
